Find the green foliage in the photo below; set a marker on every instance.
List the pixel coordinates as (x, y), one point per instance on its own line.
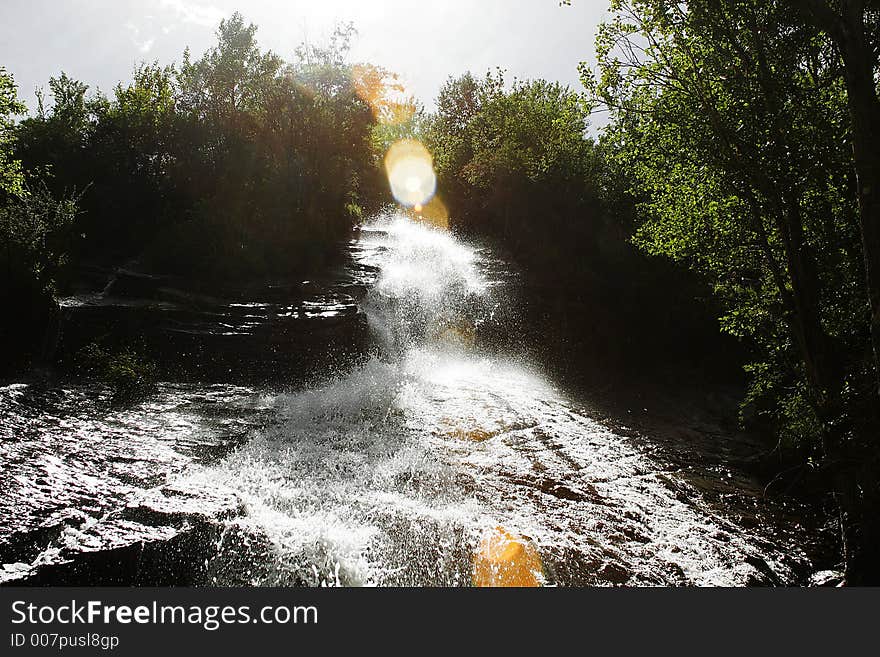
(502, 153)
(232, 78)
(34, 236)
(731, 120)
(34, 232)
(398, 114)
(516, 165)
(125, 369)
(234, 165)
(411, 125)
(11, 177)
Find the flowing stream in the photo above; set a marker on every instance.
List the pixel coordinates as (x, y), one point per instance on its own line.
(398, 471)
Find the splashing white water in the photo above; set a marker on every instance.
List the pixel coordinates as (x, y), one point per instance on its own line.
(390, 473)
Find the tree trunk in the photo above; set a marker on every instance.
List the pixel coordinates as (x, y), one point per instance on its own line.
(855, 462)
(860, 505)
(858, 497)
(864, 108)
(846, 27)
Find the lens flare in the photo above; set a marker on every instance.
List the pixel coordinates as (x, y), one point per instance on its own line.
(387, 95)
(410, 170)
(434, 213)
(504, 559)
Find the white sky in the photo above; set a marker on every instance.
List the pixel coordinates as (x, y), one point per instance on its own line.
(99, 42)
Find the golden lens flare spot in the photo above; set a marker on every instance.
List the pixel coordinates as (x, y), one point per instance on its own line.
(410, 170)
(386, 94)
(504, 559)
(432, 214)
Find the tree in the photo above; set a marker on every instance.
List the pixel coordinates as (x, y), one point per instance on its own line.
(11, 178)
(33, 241)
(854, 28)
(58, 137)
(398, 115)
(232, 78)
(503, 154)
(732, 120)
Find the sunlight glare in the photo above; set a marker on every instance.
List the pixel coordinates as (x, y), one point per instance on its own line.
(391, 102)
(410, 170)
(434, 213)
(504, 559)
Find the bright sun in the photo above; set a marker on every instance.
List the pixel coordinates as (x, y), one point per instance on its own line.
(410, 170)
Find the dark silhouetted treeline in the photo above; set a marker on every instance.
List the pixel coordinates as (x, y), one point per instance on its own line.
(233, 166)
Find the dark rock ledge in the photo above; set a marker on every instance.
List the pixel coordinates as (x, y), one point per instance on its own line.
(164, 537)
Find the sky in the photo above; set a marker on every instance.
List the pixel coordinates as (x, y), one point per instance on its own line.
(100, 42)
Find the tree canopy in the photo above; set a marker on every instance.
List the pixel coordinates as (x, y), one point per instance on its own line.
(233, 164)
(732, 120)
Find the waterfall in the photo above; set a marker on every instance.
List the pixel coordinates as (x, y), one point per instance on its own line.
(439, 459)
(398, 471)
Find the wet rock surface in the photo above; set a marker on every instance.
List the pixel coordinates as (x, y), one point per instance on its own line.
(260, 333)
(87, 495)
(165, 538)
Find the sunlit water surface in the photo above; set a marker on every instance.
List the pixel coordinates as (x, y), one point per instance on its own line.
(389, 474)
